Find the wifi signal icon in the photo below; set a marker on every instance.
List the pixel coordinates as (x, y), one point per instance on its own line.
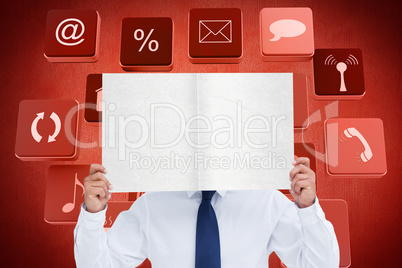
(341, 67)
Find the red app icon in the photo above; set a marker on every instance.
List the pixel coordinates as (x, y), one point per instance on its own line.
(336, 211)
(355, 147)
(132, 196)
(301, 151)
(72, 36)
(113, 210)
(286, 34)
(65, 193)
(215, 35)
(146, 44)
(47, 130)
(93, 99)
(300, 113)
(338, 74)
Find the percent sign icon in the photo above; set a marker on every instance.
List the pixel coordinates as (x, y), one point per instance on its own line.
(153, 45)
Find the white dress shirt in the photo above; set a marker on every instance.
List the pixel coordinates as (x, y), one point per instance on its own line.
(161, 226)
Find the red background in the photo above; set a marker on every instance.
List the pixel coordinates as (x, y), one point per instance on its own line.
(374, 205)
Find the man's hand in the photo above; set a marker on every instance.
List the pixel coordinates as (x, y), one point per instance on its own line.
(96, 189)
(302, 182)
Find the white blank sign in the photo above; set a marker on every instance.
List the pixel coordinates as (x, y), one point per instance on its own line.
(176, 132)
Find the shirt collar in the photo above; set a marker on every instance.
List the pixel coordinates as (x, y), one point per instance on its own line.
(190, 194)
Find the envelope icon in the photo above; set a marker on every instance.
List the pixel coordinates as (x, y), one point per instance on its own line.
(215, 31)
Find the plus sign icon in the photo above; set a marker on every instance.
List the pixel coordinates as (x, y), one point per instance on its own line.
(72, 36)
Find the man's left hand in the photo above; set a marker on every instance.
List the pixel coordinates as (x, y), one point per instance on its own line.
(302, 182)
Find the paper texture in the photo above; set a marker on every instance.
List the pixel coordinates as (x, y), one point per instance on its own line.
(231, 131)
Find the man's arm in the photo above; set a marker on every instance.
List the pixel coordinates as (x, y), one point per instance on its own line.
(124, 245)
(302, 236)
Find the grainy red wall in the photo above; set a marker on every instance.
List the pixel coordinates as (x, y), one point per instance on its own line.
(373, 26)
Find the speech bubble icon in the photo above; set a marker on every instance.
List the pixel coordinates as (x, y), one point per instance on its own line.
(286, 28)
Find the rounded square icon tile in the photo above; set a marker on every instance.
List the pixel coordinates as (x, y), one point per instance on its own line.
(72, 36)
(146, 44)
(338, 74)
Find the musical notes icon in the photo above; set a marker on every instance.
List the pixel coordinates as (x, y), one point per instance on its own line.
(63, 207)
(67, 208)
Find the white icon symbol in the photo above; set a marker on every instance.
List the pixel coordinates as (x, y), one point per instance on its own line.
(99, 99)
(74, 24)
(34, 130)
(286, 28)
(367, 154)
(215, 31)
(68, 207)
(341, 67)
(110, 220)
(141, 37)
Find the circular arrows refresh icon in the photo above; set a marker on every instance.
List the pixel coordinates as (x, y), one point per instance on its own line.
(34, 130)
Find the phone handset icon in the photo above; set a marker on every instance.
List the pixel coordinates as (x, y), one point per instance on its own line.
(352, 132)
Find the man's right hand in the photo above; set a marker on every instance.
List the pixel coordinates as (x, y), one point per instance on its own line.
(96, 189)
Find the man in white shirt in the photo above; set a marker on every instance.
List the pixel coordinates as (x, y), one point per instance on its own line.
(161, 226)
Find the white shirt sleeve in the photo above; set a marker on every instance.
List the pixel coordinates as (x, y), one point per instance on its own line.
(124, 245)
(304, 238)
